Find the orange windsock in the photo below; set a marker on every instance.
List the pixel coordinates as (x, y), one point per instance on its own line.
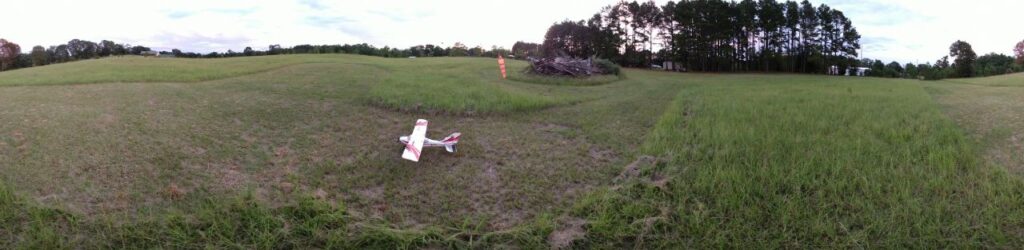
(501, 65)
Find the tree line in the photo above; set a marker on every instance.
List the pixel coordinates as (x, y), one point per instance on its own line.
(746, 35)
(11, 56)
(713, 35)
(965, 63)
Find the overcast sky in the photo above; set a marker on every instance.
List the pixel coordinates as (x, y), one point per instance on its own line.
(902, 30)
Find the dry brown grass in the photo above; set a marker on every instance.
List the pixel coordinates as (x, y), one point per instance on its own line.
(993, 115)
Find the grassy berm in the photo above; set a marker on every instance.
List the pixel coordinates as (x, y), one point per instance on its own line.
(300, 151)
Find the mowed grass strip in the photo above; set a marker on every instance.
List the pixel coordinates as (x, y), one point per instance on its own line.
(422, 85)
(456, 85)
(142, 69)
(993, 116)
(803, 161)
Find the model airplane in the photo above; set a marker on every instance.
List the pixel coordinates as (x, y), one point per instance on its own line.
(418, 139)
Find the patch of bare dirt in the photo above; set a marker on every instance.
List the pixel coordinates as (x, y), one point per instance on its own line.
(372, 193)
(286, 187)
(1011, 154)
(174, 192)
(230, 177)
(551, 127)
(569, 231)
(195, 150)
(248, 138)
(107, 120)
(20, 142)
(634, 169)
(602, 155)
(487, 198)
(320, 194)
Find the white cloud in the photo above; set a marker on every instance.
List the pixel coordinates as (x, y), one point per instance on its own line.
(220, 25)
(921, 31)
(907, 30)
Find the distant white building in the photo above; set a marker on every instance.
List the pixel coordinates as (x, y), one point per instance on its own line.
(672, 66)
(858, 71)
(833, 70)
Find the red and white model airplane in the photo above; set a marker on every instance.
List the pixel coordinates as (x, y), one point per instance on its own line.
(418, 139)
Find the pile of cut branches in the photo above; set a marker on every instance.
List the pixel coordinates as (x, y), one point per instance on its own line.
(564, 66)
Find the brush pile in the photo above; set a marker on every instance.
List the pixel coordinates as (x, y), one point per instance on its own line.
(565, 66)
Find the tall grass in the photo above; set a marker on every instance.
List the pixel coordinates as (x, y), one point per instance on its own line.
(240, 223)
(781, 162)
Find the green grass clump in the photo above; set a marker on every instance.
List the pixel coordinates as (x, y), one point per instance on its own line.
(23, 225)
(565, 80)
(238, 223)
(608, 66)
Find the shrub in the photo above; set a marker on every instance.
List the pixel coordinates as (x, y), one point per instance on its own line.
(607, 66)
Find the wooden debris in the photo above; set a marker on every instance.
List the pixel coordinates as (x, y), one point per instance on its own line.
(564, 66)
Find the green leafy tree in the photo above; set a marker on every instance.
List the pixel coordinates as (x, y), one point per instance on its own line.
(1018, 52)
(82, 49)
(964, 58)
(746, 32)
(877, 68)
(137, 50)
(893, 69)
(792, 33)
(9, 53)
(476, 51)
(460, 49)
(911, 70)
(59, 53)
(648, 18)
(826, 18)
(809, 26)
(39, 56)
(993, 64)
(120, 49)
(106, 48)
(771, 20)
(568, 38)
(942, 63)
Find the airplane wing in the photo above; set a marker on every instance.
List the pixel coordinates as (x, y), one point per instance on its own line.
(415, 145)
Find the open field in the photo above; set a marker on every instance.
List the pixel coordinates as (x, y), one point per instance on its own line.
(299, 151)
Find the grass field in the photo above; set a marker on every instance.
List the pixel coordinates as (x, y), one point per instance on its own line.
(299, 152)
(1008, 80)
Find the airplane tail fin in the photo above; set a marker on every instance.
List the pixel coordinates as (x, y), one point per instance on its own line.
(450, 141)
